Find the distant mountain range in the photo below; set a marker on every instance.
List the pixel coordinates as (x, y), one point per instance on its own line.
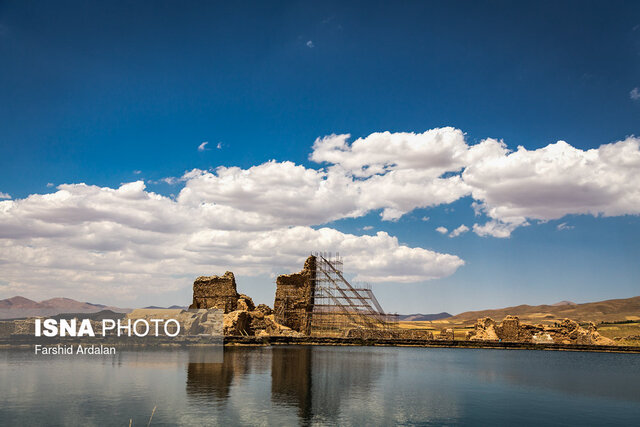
(561, 303)
(173, 307)
(601, 311)
(422, 317)
(17, 307)
(610, 310)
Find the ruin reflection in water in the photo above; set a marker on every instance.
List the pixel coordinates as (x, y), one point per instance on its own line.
(322, 385)
(312, 379)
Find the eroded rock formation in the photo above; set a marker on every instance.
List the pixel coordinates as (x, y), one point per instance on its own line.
(565, 332)
(294, 298)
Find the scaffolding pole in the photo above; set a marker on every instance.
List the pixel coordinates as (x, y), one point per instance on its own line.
(341, 309)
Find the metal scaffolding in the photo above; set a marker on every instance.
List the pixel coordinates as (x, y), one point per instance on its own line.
(340, 309)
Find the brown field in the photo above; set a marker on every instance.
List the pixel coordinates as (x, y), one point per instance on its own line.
(596, 312)
(622, 331)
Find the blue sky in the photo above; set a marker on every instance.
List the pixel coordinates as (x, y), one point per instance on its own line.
(93, 93)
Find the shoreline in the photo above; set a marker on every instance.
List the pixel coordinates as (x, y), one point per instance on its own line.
(231, 341)
(276, 340)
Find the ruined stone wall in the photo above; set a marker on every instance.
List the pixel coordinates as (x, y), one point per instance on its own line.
(215, 292)
(447, 334)
(294, 298)
(565, 332)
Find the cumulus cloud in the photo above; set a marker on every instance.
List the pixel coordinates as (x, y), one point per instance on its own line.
(634, 94)
(557, 180)
(399, 172)
(4, 195)
(458, 231)
(203, 146)
(266, 218)
(310, 44)
(433, 152)
(564, 226)
(98, 241)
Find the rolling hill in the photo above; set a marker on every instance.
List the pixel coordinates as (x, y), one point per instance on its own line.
(17, 307)
(422, 317)
(609, 311)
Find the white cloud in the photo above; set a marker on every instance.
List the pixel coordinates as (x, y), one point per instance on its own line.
(398, 172)
(424, 218)
(264, 219)
(458, 231)
(495, 228)
(367, 227)
(137, 172)
(219, 146)
(564, 226)
(634, 94)
(4, 195)
(433, 152)
(554, 181)
(50, 184)
(171, 180)
(310, 44)
(203, 146)
(98, 242)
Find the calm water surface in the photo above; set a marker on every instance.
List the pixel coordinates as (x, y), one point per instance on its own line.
(322, 386)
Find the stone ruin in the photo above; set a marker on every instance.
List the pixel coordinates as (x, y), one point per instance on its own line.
(215, 292)
(447, 334)
(294, 305)
(292, 309)
(511, 330)
(294, 298)
(241, 316)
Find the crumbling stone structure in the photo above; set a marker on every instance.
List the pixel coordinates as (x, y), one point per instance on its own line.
(446, 334)
(565, 332)
(216, 292)
(293, 304)
(241, 316)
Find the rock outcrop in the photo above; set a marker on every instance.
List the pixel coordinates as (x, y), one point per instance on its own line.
(294, 298)
(565, 332)
(216, 292)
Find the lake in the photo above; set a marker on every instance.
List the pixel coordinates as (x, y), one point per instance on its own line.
(322, 385)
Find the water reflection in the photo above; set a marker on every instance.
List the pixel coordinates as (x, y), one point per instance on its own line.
(291, 378)
(313, 380)
(321, 385)
(215, 379)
